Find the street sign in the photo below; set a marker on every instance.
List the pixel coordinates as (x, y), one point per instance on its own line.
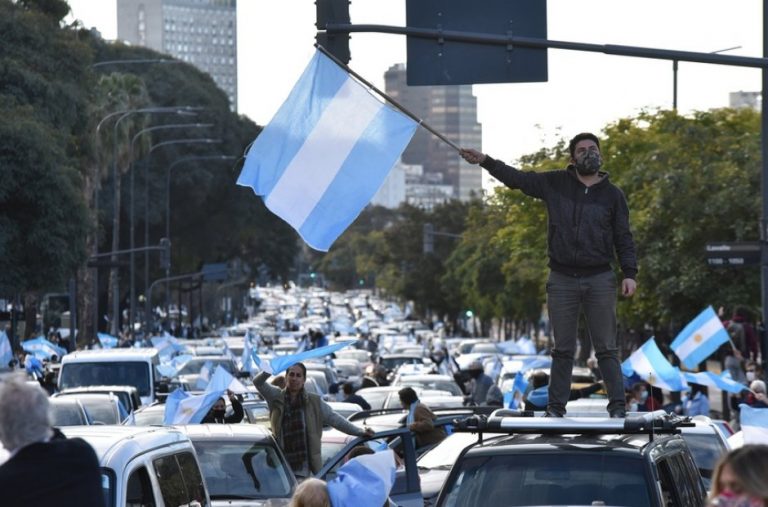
(746, 253)
(448, 62)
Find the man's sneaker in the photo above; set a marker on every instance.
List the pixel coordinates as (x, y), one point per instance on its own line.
(618, 414)
(552, 414)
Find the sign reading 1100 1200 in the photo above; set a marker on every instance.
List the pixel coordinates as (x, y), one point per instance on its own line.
(733, 254)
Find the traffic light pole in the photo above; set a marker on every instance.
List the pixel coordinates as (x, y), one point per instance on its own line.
(342, 47)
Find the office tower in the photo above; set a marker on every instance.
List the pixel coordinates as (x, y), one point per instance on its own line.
(200, 32)
(452, 111)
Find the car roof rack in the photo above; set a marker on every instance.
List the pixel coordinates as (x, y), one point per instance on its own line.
(516, 421)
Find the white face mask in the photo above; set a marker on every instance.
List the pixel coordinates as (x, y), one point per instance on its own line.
(750, 376)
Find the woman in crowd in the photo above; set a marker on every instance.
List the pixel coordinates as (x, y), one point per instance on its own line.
(739, 479)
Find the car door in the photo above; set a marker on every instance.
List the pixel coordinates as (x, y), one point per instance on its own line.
(406, 491)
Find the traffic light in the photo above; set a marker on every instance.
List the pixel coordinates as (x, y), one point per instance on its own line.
(429, 239)
(165, 253)
(332, 12)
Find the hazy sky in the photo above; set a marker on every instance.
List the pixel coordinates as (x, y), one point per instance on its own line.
(585, 90)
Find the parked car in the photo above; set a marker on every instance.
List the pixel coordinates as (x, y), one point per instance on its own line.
(128, 395)
(145, 466)
(132, 367)
(242, 464)
(634, 462)
(69, 412)
(103, 408)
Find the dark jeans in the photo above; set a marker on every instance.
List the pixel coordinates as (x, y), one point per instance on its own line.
(595, 295)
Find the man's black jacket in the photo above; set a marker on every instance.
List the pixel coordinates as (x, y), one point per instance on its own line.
(586, 224)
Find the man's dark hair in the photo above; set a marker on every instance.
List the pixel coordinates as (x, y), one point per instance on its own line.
(348, 389)
(300, 365)
(360, 450)
(407, 396)
(580, 137)
(539, 379)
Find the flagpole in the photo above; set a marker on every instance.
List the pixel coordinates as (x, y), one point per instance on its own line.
(388, 98)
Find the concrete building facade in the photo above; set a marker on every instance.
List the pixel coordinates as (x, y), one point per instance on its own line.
(200, 32)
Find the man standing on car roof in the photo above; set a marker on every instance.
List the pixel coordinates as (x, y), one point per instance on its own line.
(298, 417)
(588, 225)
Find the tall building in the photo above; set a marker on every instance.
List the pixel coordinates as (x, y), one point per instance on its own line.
(452, 111)
(200, 32)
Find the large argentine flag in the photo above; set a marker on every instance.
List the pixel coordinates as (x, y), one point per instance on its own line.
(700, 338)
(326, 152)
(653, 367)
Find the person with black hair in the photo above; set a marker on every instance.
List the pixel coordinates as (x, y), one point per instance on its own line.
(420, 419)
(588, 226)
(297, 418)
(217, 413)
(351, 397)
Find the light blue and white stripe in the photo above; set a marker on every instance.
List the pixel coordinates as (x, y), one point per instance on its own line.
(707, 378)
(326, 152)
(754, 424)
(651, 365)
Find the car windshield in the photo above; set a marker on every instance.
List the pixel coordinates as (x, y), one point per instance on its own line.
(149, 416)
(193, 366)
(392, 363)
(444, 454)
(548, 479)
(435, 385)
(236, 470)
(67, 414)
(126, 373)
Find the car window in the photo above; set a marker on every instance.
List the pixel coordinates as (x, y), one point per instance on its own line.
(138, 491)
(669, 493)
(706, 450)
(108, 487)
(117, 373)
(437, 385)
(549, 479)
(242, 470)
(193, 479)
(179, 481)
(193, 366)
(67, 415)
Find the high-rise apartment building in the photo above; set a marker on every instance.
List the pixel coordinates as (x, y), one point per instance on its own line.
(452, 111)
(200, 32)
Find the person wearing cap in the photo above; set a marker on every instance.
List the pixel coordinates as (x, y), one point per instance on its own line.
(588, 227)
(480, 382)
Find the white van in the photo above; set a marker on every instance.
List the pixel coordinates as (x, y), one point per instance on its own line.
(116, 367)
(145, 466)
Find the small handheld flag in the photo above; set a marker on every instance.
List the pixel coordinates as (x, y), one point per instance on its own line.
(651, 365)
(700, 338)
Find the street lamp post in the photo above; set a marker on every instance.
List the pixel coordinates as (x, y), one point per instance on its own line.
(116, 205)
(168, 207)
(146, 194)
(132, 315)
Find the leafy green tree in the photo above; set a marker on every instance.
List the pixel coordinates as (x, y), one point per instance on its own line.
(689, 180)
(43, 103)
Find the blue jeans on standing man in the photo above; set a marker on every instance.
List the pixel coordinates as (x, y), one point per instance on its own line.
(567, 297)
